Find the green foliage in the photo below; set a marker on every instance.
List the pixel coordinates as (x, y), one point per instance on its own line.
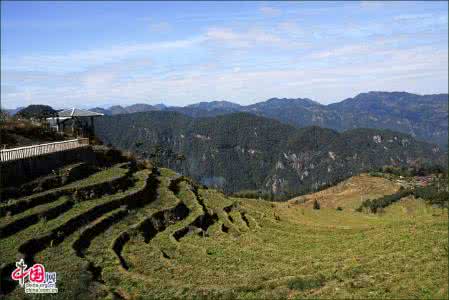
(160, 154)
(253, 194)
(420, 169)
(375, 205)
(36, 111)
(436, 193)
(242, 152)
(302, 284)
(398, 111)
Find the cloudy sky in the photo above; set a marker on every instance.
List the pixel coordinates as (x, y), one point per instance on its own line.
(103, 53)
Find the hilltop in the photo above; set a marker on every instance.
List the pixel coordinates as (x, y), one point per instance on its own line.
(240, 151)
(350, 193)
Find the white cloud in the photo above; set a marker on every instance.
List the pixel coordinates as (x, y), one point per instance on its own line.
(289, 58)
(251, 37)
(81, 59)
(412, 70)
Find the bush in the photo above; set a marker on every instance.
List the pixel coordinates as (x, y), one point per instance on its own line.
(316, 205)
(252, 194)
(435, 194)
(378, 204)
(302, 284)
(339, 208)
(421, 169)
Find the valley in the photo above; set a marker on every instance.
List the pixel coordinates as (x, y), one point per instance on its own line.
(242, 152)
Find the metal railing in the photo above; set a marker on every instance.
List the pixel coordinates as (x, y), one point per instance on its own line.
(36, 150)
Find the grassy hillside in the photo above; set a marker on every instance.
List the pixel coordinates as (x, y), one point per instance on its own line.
(350, 193)
(154, 234)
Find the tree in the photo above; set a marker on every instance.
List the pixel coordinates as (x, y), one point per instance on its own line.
(37, 112)
(156, 156)
(3, 116)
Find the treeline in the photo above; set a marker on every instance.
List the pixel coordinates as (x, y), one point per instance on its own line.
(376, 205)
(434, 194)
(253, 194)
(409, 171)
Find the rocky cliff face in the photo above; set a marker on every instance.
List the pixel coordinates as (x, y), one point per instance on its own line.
(245, 152)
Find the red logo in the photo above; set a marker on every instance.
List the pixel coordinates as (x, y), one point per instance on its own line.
(35, 274)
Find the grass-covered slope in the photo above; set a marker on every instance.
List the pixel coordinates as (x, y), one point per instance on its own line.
(350, 193)
(163, 236)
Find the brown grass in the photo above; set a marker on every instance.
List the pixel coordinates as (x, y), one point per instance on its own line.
(349, 193)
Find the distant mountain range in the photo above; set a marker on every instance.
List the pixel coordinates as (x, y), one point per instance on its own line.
(424, 117)
(241, 151)
(13, 111)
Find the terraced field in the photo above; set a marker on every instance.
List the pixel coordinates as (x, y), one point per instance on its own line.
(128, 233)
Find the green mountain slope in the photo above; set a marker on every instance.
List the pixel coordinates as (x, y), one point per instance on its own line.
(241, 151)
(425, 117)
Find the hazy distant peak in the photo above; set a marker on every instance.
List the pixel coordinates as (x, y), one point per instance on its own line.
(115, 107)
(381, 94)
(160, 106)
(283, 101)
(215, 105)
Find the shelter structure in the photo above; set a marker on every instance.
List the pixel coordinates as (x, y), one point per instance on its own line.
(80, 121)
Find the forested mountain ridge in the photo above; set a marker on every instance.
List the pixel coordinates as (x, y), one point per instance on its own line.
(242, 151)
(425, 117)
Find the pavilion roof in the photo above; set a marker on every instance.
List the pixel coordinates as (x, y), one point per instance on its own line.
(77, 112)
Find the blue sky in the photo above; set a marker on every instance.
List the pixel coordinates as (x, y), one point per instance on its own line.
(102, 53)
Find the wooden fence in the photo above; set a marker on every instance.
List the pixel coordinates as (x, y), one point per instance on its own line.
(36, 150)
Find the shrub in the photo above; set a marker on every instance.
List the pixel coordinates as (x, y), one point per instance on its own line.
(302, 284)
(435, 194)
(339, 208)
(378, 204)
(252, 194)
